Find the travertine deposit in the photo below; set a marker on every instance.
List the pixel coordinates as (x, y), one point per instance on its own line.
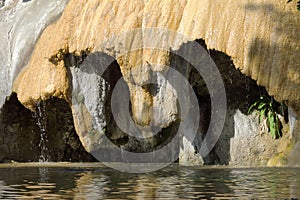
(261, 37)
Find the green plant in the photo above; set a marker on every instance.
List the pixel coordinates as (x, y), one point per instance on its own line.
(266, 107)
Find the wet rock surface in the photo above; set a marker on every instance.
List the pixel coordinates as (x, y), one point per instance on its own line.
(20, 27)
(20, 133)
(259, 40)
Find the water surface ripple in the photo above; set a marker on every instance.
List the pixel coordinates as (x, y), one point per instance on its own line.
(173, 182)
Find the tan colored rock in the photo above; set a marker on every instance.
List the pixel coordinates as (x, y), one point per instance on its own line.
(262, 37)
(37, 89)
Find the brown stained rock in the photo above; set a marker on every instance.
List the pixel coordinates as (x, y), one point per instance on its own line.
(42, 82)
(262, 39)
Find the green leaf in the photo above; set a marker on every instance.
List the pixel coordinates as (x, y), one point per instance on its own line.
(261, 105)
(250, 110)
(262, 114)
(277, 127)
(272, 124)
(273, 130)
(271, 107)
(270, 116)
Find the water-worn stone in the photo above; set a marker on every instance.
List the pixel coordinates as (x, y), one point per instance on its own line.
(188, 154)
(21, 24)
(248, 147)
(261, 37)
(21, 133)
(252, 147)
(294, 158)
(267, 38)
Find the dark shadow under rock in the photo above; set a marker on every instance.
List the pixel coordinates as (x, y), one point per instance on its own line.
(2, 3)
(241, 92)
(21, 133)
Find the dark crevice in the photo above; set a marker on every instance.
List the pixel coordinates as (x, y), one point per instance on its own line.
(151, 88)
(20, 133)
(2, 3)
(241, 92)
(70, 59)
(63, 142)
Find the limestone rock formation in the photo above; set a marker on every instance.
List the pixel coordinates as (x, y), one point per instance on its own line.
(262, 38)
(21, 24)
(269, 47)
(250, 147)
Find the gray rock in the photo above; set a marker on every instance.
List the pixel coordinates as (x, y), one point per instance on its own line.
(188, 154)
(222, 148)
(294, 158)
(293, 120)
(250, 147)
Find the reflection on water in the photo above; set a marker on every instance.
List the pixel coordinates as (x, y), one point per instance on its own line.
(173, 182)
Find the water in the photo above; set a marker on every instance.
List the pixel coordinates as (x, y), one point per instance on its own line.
(94, 181)
(41, 121)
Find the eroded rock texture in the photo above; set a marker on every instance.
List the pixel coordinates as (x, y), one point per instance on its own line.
(21, 24)
(267, 48)
(262, 38)
(48, 135)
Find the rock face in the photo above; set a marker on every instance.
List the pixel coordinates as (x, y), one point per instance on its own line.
(259, 54)
(21, 24)
(27, 136)
(243, 152)
(262, 38)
